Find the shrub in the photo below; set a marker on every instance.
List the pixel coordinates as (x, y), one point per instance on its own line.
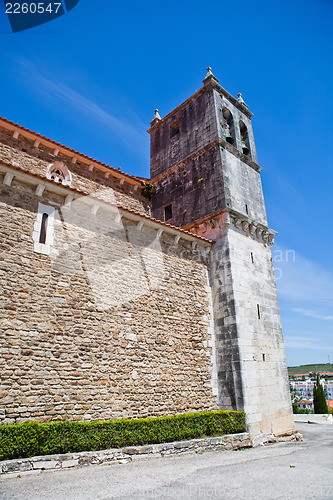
(147, 190)
(34, 438)
(296, 409)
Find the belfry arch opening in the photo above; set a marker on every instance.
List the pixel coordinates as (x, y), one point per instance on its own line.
(228, 126)
(245, 143)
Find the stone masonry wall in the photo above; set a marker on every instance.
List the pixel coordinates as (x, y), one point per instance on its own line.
(113, 323)
(243, 189)
(251, 362)
(197, 127)
(195, 190)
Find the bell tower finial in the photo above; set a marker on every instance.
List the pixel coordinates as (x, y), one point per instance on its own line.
(241, 100)
(209, 72)
(209, 77)
(156, 118)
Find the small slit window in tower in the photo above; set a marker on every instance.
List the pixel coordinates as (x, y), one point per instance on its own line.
(168, 212)
(43, 229)
(258, 310)
(263, 357)
(246, 209)
(174, 129)
(252, 259)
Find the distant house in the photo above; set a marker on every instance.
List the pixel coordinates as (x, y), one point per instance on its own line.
(303, 376)
(305, 404)
(330, 404)
(305, 388)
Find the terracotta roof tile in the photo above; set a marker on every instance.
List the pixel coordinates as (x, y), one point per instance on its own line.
(39, 136)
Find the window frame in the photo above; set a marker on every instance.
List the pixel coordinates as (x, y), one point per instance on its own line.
(44, 248)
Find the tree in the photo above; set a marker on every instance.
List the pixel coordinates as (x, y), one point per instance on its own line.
(319, 400)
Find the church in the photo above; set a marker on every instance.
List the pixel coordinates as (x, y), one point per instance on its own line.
(126, 297)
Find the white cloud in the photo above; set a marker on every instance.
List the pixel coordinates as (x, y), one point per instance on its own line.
(298, 342)
(48, 84)
(301, 280)
(311, 314)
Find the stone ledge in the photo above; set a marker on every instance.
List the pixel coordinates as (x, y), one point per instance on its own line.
(125, 455)
(310, 418)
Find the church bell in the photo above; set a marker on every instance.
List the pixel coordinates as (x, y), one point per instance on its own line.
(245, 148)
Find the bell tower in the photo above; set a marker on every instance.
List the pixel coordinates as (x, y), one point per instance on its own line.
(207, 180)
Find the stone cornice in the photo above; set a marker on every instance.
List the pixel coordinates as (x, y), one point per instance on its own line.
(239, 221)
(210, 85)
(70, 194)
(241, 156)
(250, 227)
(212, 144)
(202, 90)
(186, 160)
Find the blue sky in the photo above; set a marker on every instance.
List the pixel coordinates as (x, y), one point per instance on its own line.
(92, 79)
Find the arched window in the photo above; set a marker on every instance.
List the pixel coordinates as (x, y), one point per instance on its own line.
(228, 126)
(244, 138)
(58, 172)
(43, 229)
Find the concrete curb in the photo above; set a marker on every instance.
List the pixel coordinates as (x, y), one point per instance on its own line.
(124, 455)
(310, 418)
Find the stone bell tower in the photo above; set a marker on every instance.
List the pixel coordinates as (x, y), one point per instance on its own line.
(207, 180)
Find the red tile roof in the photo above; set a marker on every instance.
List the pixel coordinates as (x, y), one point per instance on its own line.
(58, 144)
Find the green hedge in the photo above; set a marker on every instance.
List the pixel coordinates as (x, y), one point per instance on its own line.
(33, 438)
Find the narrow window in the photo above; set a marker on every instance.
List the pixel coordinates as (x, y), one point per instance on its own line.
(263, 357)
(246, 209)
(258, 309)
(174, 129)
(252, 259)
(168, 212)
(43, 228)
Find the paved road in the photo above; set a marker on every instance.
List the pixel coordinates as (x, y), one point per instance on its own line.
(260, 473)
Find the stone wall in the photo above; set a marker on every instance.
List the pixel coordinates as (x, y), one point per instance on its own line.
(113, 323)
(251, 363)
(195, 189)
(128, 454)
(267, 402)
(243, 189)
(197, 127)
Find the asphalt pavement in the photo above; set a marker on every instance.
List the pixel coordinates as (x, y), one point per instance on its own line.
(294, 470)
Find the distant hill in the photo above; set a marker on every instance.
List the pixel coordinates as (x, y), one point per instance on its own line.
(324, 367)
